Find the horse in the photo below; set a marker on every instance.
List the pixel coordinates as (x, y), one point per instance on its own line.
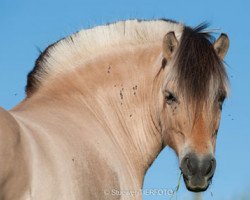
(102, 103)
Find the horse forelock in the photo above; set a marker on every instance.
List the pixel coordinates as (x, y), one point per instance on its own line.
(197, 71)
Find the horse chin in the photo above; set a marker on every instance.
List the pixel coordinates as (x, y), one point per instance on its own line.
(193, 186)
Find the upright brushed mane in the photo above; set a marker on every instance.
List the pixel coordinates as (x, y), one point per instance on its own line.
(75, 50)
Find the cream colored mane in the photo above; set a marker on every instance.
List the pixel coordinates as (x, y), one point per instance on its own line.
(77, 49)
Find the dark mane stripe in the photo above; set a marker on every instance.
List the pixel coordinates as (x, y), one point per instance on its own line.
(32, 81)
(197, 64)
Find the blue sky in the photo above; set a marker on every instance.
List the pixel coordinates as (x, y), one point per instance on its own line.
(27, 25)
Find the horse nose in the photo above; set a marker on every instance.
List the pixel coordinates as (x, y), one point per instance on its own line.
(197, 171)
(191, 165)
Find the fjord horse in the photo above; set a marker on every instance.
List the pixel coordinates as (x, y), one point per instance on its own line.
(102, 103)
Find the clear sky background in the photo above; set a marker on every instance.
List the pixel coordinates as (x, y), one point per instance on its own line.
(27, 25)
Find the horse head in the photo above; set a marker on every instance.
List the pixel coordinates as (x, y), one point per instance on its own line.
(193, 91)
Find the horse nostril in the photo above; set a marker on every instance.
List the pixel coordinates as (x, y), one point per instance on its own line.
(190, 163)
(210, 166)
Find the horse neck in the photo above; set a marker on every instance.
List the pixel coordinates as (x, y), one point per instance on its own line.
(119, 88)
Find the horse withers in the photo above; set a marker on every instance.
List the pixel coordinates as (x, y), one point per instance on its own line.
(101, 105)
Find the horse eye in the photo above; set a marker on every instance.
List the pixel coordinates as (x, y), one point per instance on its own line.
(215, 133)
(170, 98)
(221, 101)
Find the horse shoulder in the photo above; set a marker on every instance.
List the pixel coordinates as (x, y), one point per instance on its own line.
(12, 171)
(9, 139)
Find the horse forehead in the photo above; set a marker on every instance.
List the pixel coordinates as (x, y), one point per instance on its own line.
(198, 116)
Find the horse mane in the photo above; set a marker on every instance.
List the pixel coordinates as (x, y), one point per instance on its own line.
(71, 52)
(198, 72)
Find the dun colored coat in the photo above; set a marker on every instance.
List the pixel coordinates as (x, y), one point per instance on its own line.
(101, 104)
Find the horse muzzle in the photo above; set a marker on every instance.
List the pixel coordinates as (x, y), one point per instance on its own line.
(197, 171)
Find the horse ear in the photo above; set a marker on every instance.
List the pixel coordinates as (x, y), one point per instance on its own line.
(169, 45)
(221, 45)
